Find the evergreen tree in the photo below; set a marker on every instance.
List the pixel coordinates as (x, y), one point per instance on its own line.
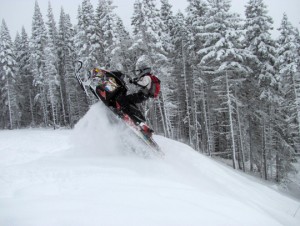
(25, 81)
(146, 23)
(260, 88)
(121, 51)
(51, 27)
(115, 39)
(167, 26)
(10, 114)
(196, 20)
(52, 79)
(86, 41)
(52, 82)
(105, 21)
(258, 40)
(38, 44)
(196, 97)
(223, 59)
(168, 80)
(76, 102)
(180, 62)
(222, 49)
(287, 63)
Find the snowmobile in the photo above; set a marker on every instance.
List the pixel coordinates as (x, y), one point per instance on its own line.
(107, 86)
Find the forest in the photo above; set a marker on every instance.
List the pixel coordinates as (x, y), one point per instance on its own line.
(229, 89)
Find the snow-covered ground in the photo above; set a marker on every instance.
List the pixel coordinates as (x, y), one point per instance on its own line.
(97, 174)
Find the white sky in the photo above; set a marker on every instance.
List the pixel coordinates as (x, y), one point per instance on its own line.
(18, 13)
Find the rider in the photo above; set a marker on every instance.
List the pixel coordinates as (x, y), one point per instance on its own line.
(128, 102)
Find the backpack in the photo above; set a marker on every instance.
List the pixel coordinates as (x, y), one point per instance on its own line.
(155, 86)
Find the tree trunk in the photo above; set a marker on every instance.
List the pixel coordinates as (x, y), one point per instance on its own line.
(297, 102)
(264, 155)
(230, 111)
(52, 101)
(277, 168)
(44, 105)
(63, 104)
(241, 136)
(31, 109)
(9, 106)
(250, 144)
(195, 116)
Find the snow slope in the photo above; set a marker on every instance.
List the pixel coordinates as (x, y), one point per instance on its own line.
(92, 176)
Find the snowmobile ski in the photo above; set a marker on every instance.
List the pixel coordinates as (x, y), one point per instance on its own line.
(80, 80)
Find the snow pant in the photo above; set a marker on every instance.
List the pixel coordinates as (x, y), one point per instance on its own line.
(128, 105)
(135, 98)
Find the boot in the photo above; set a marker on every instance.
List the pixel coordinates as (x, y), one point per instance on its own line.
(146, 129)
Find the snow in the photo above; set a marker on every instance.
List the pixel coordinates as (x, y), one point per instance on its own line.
(99, 174)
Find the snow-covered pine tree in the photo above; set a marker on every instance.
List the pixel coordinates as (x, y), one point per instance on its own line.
(105, 22)
(147, 43)
(18, 79)
(52, 79)
(146, 22)
(169, 86)
(80, 38)
(179, 40)
(61, 45)
(223, 57)
(10, 112)
(260, 90)
(99, 15)
(38, 44)
(76, 100)
(62, 107)
(168, 23)
(52, 82)
(287, 62)
(196, 19)
(51, 26)
(86, 40)
(121, 53)
(25, 80)
(115, 40)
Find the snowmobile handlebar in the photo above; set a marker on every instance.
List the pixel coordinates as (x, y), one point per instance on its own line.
(121, 80)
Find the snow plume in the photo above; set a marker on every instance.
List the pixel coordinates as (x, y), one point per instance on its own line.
(99, 132)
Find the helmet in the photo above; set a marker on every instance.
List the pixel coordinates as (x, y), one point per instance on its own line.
(143, 66)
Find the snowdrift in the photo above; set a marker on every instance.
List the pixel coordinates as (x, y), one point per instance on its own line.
(100, 132)
(100, 174)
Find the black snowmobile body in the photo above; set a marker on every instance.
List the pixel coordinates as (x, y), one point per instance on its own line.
(109, 88)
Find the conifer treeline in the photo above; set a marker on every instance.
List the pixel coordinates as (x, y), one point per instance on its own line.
(228, 88)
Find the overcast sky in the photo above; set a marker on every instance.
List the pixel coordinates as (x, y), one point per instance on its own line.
(18, 13)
